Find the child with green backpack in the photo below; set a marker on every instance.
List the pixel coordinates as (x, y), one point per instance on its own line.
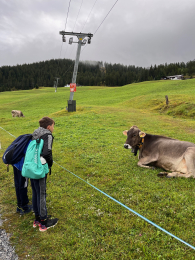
(41, 146)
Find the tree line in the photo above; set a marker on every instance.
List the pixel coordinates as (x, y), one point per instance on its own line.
(29, 76)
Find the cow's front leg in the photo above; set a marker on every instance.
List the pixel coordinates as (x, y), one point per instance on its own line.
(144, 161)
(175, 174)
(179, 174)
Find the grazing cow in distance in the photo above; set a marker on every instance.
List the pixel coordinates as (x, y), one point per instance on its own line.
(172, 155)
(17, 113)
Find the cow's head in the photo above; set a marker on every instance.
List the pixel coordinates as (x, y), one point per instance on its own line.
(134, 138)
(22, 115)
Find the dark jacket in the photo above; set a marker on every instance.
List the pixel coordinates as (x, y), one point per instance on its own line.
(47, 137)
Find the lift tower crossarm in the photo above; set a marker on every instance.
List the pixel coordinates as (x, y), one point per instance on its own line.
(79, 35)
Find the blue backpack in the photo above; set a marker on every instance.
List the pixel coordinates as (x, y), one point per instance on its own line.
(16, 150)
(32, 167)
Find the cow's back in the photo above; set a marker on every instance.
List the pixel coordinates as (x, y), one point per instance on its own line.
(165, 146)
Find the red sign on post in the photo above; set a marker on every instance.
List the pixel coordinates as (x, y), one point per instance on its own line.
(72, 87)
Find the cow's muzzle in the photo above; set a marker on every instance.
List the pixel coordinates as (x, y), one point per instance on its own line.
(133, 149)
(127, 146)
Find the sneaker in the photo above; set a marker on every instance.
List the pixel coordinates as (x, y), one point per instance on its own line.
(36, 222)
(18, 210)
(45, 224)
(22, 211)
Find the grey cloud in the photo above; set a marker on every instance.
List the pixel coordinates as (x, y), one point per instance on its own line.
(137, 33)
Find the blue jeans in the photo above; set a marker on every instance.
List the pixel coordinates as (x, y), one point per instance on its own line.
(21, 185)
(39, 197)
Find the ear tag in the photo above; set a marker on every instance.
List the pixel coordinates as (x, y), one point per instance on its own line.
(142, 134)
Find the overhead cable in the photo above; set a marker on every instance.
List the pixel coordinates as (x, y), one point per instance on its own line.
(88, 15)
(73, 29)
(102, 21)
(65, 26)
(77, 15)
(67, 15)
(105, 17)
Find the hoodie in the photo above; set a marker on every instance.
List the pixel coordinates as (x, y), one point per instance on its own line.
(46, 135)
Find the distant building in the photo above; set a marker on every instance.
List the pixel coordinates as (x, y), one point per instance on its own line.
(174, 77)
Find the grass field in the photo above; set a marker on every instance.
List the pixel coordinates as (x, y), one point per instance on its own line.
(89, 143)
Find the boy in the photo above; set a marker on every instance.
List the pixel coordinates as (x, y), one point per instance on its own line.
(39, 185)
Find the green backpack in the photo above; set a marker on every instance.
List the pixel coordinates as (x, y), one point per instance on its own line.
(32, 167)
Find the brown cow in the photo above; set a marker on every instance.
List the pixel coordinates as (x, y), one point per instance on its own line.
(163, 152)
(17, 113)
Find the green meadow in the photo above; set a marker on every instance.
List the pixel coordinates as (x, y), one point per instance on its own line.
(88, 149)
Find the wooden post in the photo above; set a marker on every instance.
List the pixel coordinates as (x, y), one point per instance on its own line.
(167, 100)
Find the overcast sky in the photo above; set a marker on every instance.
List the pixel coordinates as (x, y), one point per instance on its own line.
(136, 32)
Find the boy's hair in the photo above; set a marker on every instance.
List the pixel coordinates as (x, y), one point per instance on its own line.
(46, 121)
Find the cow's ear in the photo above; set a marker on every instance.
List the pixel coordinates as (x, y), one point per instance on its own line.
(125, 132)
(142, 134)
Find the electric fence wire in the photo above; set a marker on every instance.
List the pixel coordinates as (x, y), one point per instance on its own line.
(134, 212)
